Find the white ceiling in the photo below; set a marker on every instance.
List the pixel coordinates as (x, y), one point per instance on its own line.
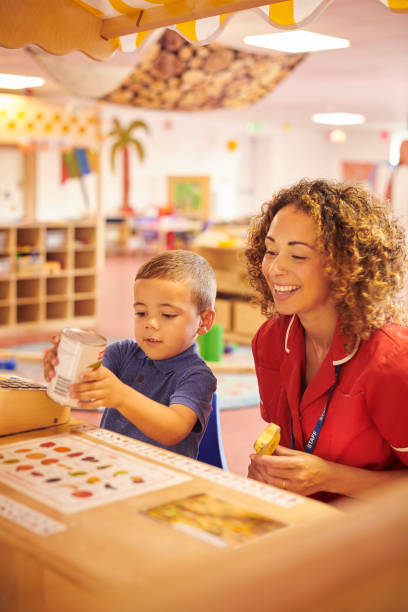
(370, 77)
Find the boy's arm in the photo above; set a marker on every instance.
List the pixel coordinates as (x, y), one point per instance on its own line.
(167, 425)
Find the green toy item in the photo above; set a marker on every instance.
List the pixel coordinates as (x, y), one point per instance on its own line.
(211, 344)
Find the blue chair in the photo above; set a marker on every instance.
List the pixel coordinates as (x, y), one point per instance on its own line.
(211, 449)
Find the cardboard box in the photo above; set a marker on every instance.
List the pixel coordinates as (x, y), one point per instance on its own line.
(230, 268)
(247, 318)
(221, 257)
(223, 309)
(233, 282)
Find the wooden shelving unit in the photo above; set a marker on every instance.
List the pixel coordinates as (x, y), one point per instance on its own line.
(233, 306)
(48, 275)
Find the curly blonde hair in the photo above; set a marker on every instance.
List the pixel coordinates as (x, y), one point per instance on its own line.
(363, 248)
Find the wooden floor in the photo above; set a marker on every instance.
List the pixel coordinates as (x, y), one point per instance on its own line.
(115, 320)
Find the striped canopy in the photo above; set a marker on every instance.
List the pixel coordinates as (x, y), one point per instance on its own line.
(287, 14)
(100, 27)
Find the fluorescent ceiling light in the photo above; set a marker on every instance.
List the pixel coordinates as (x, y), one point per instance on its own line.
(296, 41)
(19, 81)
(338, 118)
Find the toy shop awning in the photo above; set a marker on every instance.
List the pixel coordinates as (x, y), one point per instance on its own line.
(101, 27)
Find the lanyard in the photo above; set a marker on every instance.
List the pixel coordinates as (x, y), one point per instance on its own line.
(311, 443)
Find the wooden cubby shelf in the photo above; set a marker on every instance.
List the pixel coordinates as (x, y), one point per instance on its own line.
(84, 284)
(28, 288)
(84, 308)
(84, 259)
(234, 309)
(4, 290)
(56, 286)
(57, 310)
(28, 313)
(48, 275)
(4, 315)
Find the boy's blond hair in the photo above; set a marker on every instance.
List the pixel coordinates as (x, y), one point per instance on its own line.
(186, 268)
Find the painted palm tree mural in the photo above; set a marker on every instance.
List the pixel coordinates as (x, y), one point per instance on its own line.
(125, 140)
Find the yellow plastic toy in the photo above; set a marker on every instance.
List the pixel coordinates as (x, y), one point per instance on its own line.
(268, 440)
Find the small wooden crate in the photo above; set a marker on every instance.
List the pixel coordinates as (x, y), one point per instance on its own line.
(29, 409)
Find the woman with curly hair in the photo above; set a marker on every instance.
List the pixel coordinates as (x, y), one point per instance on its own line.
(328, 264)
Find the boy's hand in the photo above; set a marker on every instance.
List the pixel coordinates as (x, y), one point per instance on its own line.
(50, 359)
(98, 388)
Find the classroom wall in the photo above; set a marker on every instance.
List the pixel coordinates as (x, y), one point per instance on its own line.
(11, 184)
(73, 199)
(300, 153)
(178, 144)
(197, 144)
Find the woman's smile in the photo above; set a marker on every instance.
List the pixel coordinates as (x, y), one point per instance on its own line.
(282, 292)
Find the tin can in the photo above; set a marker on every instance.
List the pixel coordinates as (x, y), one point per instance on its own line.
(79, 351)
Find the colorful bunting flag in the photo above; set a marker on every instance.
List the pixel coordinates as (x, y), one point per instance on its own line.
(82, 161)
(71, 164)
(77, 162)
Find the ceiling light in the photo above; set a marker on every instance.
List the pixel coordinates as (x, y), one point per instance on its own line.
(338, 136)
(297, 41)
(19, 81)
(338, 118)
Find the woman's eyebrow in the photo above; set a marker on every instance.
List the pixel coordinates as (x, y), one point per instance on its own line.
(292, 242)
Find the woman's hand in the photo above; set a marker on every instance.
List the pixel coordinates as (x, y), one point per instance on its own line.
(50, 359)
(98, 388)
(294, 470)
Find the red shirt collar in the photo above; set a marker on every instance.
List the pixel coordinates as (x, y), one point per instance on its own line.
(337, 352)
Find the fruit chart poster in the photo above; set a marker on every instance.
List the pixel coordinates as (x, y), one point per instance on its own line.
(70, 473)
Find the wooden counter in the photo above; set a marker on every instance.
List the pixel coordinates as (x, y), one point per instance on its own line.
(114, 557)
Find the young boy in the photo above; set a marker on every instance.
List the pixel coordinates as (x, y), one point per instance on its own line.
(157, 389)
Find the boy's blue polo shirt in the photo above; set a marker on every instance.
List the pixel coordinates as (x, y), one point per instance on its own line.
(183, 379)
